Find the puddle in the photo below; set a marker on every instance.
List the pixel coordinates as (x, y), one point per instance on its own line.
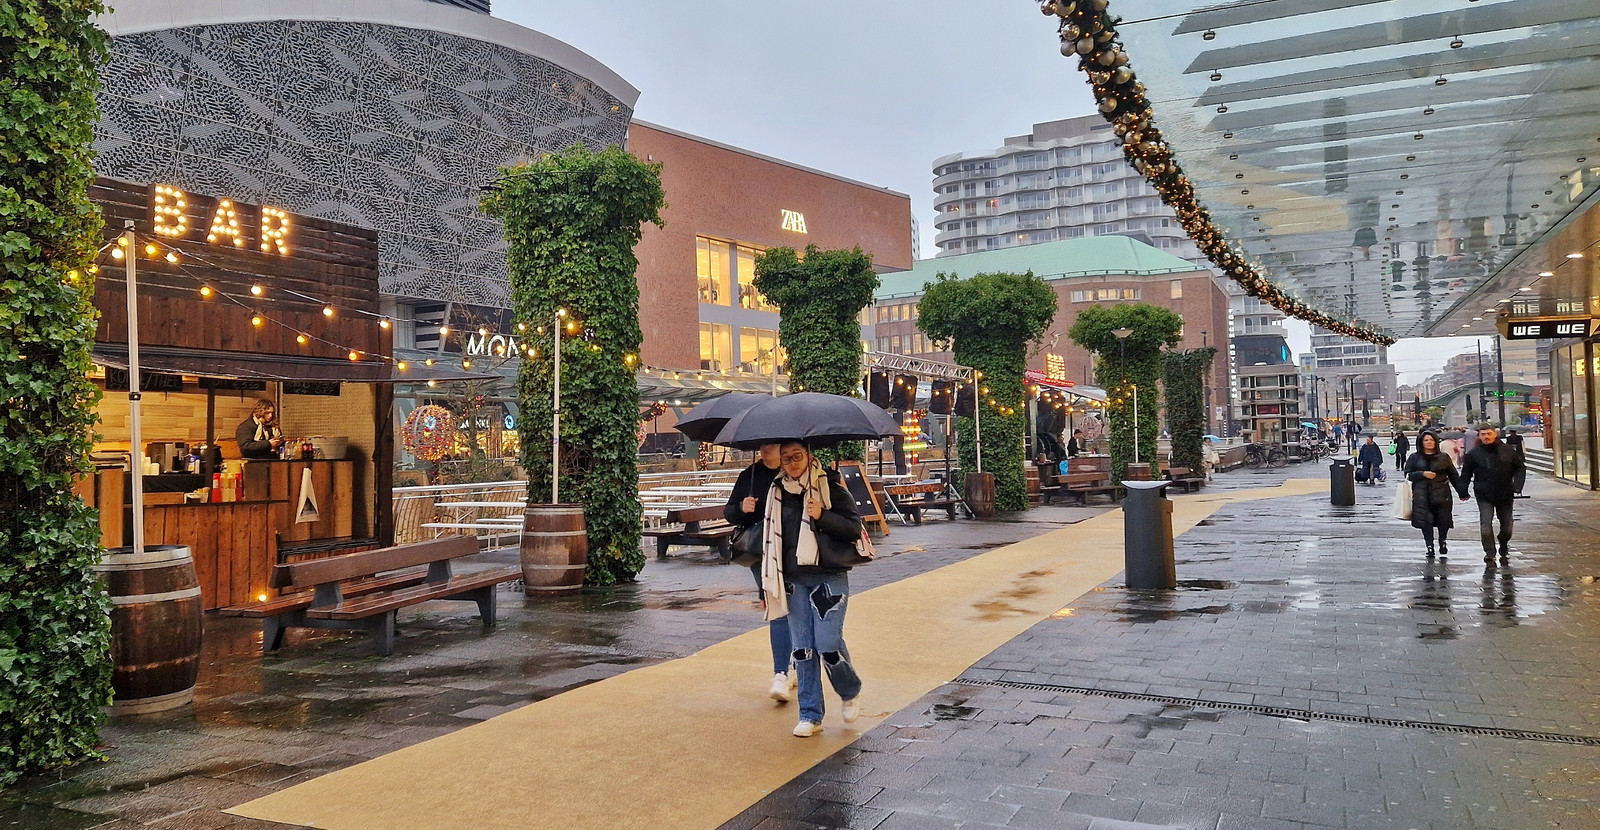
(1149, 615)
(951, 711)
(1205, 585)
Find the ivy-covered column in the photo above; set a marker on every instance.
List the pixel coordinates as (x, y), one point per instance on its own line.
(992, 318)
(1125, 363)
(572, 221)
(1183, 376)
(55, 624)
(819, 299)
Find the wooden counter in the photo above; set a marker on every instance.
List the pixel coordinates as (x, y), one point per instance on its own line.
(235, 544)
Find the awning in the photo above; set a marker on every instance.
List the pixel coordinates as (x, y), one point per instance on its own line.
(250, 366)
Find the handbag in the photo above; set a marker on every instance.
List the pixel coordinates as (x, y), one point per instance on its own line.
(744, 546)
(1402, 500)
(1361, 474)
(833, 553)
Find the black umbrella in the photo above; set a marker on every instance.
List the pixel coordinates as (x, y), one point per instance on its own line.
(1452, 435)
(706, 420)
(813, 417)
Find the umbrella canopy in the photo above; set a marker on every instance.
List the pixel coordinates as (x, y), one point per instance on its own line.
(706, 420)
(1451, 435)
(813, 417)
(1212, 437)
(1308, 424)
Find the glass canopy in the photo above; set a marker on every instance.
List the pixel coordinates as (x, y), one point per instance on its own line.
(1409, 163)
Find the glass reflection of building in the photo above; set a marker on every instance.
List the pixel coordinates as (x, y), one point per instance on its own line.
(1570, 434)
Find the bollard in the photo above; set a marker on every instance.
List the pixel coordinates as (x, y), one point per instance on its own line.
(1342, 482)
(1147, 536)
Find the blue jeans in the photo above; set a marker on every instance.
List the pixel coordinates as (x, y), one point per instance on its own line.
(777, 632)
(816, 626)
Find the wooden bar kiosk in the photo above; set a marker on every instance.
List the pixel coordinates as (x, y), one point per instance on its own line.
(240, 303)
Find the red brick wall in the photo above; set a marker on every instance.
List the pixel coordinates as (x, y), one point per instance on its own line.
(739, 197)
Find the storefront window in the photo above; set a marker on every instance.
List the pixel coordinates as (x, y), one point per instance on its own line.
(1580, 415)
(757, 348)
(716, 346)
(711, 261)
(745, 273)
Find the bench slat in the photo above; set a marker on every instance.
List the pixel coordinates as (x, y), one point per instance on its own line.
(391, 600)
(366, 563)
(302, 599)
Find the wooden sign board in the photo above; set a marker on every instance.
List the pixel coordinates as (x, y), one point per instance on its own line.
(855, 480)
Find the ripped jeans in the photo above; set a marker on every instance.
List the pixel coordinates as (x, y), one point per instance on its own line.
(816, 627)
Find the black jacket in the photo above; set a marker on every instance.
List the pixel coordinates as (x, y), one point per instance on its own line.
(1431, 498)
(249, 447)
(1402, 445)
(1370, 454)
(755, 480)
(1492, 470)
(841, 525)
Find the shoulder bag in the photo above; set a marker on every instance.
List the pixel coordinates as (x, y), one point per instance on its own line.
(744, 547)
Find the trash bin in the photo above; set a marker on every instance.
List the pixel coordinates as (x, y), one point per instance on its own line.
(1147, 536)
(1342, 482)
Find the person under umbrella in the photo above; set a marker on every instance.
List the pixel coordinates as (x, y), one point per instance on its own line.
(1432, 475)
(747, 505)
(807, 509)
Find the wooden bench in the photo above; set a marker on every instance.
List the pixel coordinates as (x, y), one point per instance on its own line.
(1084, 485)
(701, 527)
(365, 590)
(1186, 478)
(1049, 483)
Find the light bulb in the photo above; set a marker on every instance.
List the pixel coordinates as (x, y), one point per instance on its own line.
(256, 290)
(327, 311)
(205, 291)
(257, 321)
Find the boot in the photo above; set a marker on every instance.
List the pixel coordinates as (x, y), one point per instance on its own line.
(1444, 549)
(1430, 551)
(1505, 553)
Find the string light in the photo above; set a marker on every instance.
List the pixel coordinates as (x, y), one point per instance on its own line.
(256, 290)
(205, 291)
(327, 311)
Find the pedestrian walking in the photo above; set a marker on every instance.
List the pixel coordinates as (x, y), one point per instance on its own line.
(747, 505)
(809, 509)
(1402, 449)
(1432, 475)
(1370, 460)
(1491, 468)
(1208, 457)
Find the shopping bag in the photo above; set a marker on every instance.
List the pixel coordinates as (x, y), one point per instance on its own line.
(1402, 500)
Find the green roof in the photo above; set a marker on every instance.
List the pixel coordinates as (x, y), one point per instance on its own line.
(1086, 257)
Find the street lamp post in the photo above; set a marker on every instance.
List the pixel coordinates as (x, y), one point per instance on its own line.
(1122, 347)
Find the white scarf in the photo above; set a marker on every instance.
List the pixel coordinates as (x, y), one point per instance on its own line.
(814, 484)
(265, 431)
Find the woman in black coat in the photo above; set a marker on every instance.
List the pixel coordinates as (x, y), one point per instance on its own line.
(1433, 476)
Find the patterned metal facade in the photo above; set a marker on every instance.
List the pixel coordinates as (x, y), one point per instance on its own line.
(374, 125)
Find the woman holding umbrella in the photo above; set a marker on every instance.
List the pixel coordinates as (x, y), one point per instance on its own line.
(747, 505)
(808, 509)
(1432, 475)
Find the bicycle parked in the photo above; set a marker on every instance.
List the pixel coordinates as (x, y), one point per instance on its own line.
(1257, 454)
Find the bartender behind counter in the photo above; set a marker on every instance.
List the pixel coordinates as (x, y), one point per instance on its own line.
(259, 436)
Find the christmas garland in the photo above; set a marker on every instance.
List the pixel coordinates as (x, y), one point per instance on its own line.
(1088, 31)
(430, 432)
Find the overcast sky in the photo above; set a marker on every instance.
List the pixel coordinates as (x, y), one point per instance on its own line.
(870, 90)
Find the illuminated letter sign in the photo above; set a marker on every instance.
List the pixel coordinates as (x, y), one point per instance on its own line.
(497, 345)
(1055, 367)
(794, 220)
(168, 210)
(274, 231)
(225, 225)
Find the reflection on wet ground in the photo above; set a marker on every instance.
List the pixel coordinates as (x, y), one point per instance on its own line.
(261, 723)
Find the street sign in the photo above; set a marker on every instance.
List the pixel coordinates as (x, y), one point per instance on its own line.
(1547, 328)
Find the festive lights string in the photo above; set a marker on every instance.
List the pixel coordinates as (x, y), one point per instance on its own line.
(1088, 31)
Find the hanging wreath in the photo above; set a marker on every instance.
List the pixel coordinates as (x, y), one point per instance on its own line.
(430, 432)
(651, 413)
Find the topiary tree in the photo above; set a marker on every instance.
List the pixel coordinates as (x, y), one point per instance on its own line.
(572, 220)
(819, 298)
(55, 624)
(1122, 365)
(991, 319)
(1183, 377)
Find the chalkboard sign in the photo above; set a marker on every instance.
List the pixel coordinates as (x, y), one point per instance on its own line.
(117, 381)
(855, 480)
(311, 387)
(233, 385)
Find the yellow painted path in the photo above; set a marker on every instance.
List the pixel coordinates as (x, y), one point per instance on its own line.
(691, 743)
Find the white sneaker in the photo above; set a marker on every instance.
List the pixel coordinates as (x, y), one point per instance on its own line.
(850, 710)
(782, 688)
(805, 729)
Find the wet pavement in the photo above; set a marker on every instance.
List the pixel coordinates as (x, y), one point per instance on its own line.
(324, 702)
(1313, 670)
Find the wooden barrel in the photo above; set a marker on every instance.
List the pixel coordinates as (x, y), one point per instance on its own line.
(1031, 474)
(980, 494)
(555, 549)
(155, 627)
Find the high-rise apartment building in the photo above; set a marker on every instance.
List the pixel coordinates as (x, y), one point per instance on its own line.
(1363, 380)
(1065, 180)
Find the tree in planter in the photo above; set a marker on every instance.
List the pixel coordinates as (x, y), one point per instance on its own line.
(1121, 365)
(819, 298)
(1183, 377)
(572, 220)
(55, 631)
(992, 318)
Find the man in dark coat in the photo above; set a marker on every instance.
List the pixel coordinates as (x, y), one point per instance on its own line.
(1402, 449)
(1491, 468)
(1371, 461)
(1514, 441)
